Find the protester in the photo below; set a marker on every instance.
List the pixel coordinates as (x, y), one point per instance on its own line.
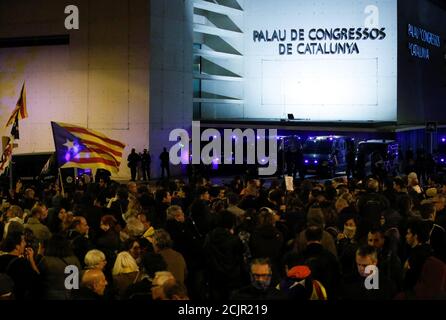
(211, 241)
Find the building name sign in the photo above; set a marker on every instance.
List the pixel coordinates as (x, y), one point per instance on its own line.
(424, 36)
(319, 41)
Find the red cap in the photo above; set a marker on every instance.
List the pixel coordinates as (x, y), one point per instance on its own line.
(299, 272)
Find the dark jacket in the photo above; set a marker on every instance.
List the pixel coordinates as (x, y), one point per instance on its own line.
(249, 202)
(117, 209)
(441, 218)
(370, 206)
(140, 290)
(164, 157)
(133, 159)
(80, 244)
(391, 195)
(431, 284)
(324, 267)
(160, 217)
(187, 242)
(109, 243)
(121, 282)
(354, 289)
(327, 242)
(402, 203)
(267, 242)
(389, 264)
(53, 221)
(52, 273)
(438, 240)
(224, 258)
(347, 253)
(417, 257)
(93, 214)
(86, 294)
(251, 293)
(26, 280)
(200, 214)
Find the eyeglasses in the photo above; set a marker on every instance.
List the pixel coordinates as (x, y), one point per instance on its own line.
(260, 275)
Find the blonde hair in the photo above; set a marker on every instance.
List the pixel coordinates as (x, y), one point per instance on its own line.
(161, 277)
(341, 203)
(172, 212)
(134, 228)
(124, 263)
(93, 258)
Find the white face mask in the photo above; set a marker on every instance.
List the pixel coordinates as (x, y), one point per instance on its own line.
(349, 231)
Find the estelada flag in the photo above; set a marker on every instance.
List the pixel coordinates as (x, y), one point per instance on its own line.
(20, 109)
(6, 155)
(79, 147)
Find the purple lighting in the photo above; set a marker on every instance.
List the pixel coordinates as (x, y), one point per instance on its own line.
(67, 157)
(442, 160)
(215, 164)
(306, 161)
(443, 139)
(315, 162)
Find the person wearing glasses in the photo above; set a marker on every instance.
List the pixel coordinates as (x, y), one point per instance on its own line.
(261, 287)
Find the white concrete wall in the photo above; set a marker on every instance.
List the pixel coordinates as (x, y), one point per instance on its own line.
(100, 80)
(170, 73)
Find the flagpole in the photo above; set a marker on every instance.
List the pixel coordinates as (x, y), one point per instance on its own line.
(61, 183)
(11, 184)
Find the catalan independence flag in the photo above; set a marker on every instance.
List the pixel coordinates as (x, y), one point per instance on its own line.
(78, 147)
(20, 109)
(6, 155)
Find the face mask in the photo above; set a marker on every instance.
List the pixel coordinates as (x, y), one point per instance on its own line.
(349, 232)
(260, 284)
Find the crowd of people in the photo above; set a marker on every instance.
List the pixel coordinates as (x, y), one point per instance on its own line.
(244, 240)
